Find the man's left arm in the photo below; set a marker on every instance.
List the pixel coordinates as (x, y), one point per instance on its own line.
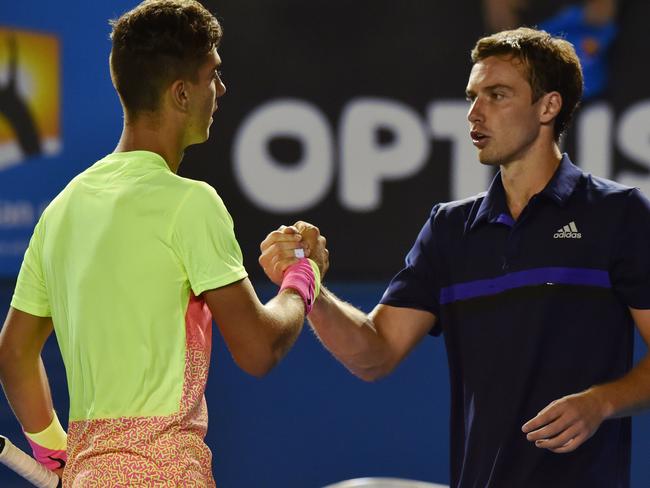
(568, 422)
(21, 369)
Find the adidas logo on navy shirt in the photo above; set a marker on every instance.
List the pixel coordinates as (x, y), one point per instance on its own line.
(569, 231)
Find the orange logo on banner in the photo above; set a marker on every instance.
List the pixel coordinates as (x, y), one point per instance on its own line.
(29, 96)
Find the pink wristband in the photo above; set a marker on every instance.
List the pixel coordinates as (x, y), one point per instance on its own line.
(300, 277)
(49, 458)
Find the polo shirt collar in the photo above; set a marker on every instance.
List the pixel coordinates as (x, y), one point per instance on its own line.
(140, 158)
(564, 181)
(494, 209)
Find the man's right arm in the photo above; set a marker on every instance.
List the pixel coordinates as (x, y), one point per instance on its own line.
(257, 335)
(370, 346)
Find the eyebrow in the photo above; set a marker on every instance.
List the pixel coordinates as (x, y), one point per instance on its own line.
(490, 88)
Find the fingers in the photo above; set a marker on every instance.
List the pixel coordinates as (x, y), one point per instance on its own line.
(565, 424)
(275, 265)
(568, 441)
(288, 229)
(310, 234)
(324, 262)
(571, 445)
(282, 234)
(316, 248)
(550, 429)
(311, 244)
(279, 252)
(307, 230)
(301, 225)
(544, 417)
(559, 440)
(279, 249)
(550, 424)
(314, 243)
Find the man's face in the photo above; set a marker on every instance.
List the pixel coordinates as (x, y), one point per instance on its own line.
(503, 121)
(203, 100)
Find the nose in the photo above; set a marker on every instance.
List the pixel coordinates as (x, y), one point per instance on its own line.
(475, 113)
(221, 89)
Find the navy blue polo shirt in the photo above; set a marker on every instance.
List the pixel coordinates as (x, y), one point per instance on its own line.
(532, 310)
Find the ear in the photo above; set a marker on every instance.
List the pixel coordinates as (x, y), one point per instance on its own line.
(179, 95)
(549, 106)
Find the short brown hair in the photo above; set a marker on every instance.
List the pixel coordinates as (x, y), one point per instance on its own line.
(156, 43)
(551, 62)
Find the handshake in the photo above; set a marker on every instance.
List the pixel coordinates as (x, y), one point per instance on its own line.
(284, 246)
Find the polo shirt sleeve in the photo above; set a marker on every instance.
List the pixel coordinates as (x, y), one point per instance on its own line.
(204, 237)
(416, 285)
(630, 270)
(30, 294)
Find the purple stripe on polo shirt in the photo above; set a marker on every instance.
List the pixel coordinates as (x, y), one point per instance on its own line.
(520, 279)
(505, 219)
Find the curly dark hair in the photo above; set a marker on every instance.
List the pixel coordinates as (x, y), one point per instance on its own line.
(157, 42)
(551, 62)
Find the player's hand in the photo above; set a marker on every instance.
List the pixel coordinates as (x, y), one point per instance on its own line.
(567, 423)
(315, 245)
(279, 252)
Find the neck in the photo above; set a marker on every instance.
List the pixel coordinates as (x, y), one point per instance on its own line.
(148, 133)
(524, 178)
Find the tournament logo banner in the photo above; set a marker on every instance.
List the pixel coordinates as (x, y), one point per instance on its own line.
(29, 96)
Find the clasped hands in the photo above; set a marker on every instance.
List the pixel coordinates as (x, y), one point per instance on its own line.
(278, 249)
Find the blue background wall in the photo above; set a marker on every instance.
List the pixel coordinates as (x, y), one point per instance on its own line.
(310, 422)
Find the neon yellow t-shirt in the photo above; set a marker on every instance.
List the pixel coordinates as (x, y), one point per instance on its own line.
(113, 260)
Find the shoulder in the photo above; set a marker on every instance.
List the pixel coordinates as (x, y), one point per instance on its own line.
(604, 186)
(197, 190)
(456, 210)
(610, 192)
(447, 220)
(199, 200)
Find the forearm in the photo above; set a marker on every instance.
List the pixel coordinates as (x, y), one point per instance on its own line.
(628, 395)
(350, 335)
(285, 315)
(27, 389)
(257, 335)
(299, 288)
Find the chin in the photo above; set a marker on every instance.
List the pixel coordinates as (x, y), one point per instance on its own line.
(204, 137)
(487, 160)
(197, 140)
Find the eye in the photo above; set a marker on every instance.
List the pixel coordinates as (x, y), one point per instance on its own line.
(498, 95)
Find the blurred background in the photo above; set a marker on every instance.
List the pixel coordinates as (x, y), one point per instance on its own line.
(350, 115)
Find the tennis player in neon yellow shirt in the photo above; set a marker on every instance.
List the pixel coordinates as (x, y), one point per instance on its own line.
(130, 263)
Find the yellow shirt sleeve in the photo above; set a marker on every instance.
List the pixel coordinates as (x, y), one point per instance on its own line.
(31, 294)
(204, 237)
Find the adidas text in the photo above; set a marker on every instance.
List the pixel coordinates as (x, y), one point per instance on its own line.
(569, 231)
(567, 235)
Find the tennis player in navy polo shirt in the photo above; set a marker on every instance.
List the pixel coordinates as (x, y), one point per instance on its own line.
(536, 286)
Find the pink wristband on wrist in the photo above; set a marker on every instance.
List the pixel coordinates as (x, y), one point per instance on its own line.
(301, 278)
(50, 458)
